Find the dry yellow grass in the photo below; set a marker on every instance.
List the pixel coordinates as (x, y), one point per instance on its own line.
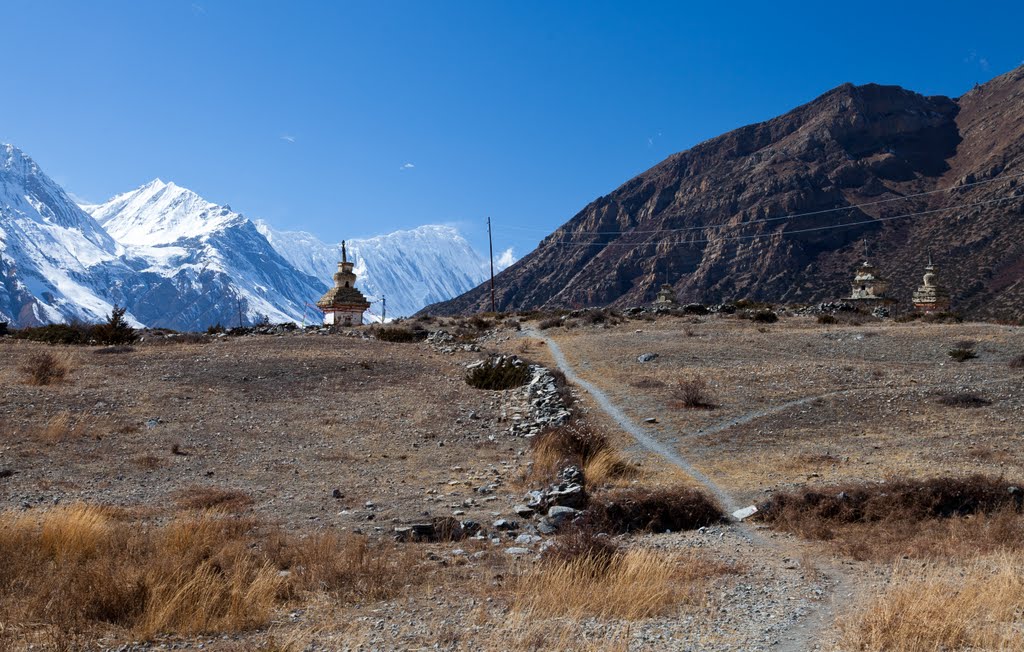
(638, 583)
(943, 606)
(81, 571)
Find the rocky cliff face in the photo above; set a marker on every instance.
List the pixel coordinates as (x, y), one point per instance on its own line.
(751, 214)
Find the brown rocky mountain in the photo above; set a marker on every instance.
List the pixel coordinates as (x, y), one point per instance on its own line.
(750, 214)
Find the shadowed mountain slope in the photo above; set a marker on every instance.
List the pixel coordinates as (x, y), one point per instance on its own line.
(751, 213)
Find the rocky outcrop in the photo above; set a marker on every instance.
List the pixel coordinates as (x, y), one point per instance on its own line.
(717, 219)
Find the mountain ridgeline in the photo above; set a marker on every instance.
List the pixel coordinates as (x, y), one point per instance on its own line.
(751, 214)
(176, 260)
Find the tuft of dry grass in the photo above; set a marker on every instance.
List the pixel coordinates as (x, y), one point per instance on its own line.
(692, 393)
(45, 368)
(631, 585)
(577, 444)
(945, 605)
(80, 572)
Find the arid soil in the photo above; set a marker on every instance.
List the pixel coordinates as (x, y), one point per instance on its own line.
(323, 433)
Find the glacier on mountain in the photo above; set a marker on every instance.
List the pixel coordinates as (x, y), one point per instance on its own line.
(176, 260)
(410, 269)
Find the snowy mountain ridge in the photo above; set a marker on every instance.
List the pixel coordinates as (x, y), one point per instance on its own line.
(176, 260)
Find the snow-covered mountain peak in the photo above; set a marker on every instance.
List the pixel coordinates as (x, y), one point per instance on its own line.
(161, 213)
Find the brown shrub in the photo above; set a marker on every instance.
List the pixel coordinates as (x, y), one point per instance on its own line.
(45, 368)
(692, 393)
(652, 510)
(905, 517)
(962, 354)
(964, 400)
(1017, 362)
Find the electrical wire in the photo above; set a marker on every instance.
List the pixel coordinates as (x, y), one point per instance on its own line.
(824, 211)
(777, 234)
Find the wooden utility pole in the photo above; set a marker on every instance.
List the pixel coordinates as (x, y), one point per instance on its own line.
(490, 246)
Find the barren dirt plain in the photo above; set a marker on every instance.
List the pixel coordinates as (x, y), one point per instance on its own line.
(303, 452)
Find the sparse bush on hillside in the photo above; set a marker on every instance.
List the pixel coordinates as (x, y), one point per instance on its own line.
(1017, 362)
(827, 319)
(692, 393)
(764, 317)
(502, 372)
(45, 368)
(215, 329)
(962, 355)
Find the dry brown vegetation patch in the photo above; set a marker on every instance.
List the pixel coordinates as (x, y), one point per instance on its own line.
(45, 368)
(634, 584)
(946, 605)
(577, 444)
(81, 571)
(653, 510)
(692, 393)
(939, 516)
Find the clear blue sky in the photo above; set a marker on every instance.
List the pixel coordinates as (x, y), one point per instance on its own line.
(307, 113)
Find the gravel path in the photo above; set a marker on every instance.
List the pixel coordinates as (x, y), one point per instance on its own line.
(802, 629)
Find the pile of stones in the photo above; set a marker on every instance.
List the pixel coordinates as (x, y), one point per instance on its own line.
(557, 504)
(444, 342)
(544, 406)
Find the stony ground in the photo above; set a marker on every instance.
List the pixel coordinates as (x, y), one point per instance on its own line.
(332, 432)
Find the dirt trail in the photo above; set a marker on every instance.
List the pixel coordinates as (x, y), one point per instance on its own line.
(804, 633)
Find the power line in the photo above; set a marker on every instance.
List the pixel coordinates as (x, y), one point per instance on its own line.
(823, 211)
(778, 234)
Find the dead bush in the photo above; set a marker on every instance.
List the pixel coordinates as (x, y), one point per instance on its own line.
(499, 373)
(764, 317)
(905, 517)
(399, 334)
(1017, 362)
(962, 354)
(964, 400)
(827, 319)
(550, 322)
(45, 368)
(692, 393)
(652, 510)
(113, 350)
